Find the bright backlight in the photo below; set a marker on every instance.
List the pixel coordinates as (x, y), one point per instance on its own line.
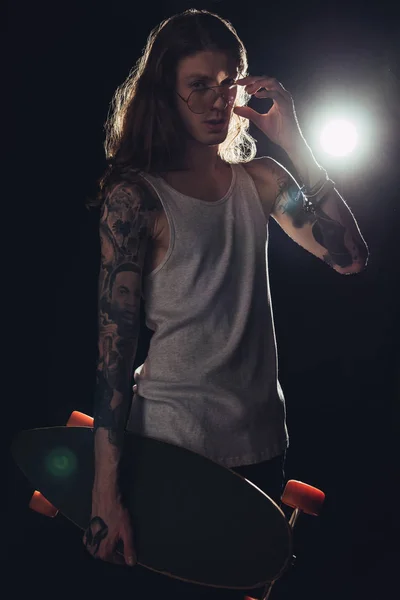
(339, 138)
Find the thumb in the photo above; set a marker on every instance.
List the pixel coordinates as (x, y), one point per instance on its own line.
(248, 113)
(129, 552)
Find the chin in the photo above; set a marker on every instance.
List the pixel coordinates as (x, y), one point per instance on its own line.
(214, 139)
(208, 138)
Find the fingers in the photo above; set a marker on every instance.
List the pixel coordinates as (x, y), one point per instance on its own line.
(115, 546)
(99, 551)
(253, 84)
(126, 550)
(107, 555)
(129, 551)
(249, 113)
(268, 94)
(116, 558)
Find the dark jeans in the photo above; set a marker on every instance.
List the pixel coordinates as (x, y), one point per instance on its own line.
(146, 585)
(268, 476)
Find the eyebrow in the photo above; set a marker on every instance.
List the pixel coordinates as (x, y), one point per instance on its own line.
(204, 77)
(197, 76)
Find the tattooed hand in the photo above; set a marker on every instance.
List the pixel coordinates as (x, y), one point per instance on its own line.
(109, 529)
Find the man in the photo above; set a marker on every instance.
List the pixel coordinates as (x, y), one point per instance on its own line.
(193, 206)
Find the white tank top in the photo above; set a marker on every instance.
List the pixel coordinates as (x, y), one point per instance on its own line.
(210, 380)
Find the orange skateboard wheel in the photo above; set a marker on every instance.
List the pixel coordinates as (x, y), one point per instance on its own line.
(305, 497)
(41, 505)
(79, 419)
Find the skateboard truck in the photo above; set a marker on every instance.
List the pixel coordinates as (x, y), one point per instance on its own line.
(302, 498)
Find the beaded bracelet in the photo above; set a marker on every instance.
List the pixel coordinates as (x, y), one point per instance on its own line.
(309, 205)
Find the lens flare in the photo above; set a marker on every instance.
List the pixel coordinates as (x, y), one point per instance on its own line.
(61, 462)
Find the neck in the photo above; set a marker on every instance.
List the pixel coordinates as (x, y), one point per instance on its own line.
(201, 158)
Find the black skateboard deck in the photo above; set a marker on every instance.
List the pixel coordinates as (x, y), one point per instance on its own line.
(193, 519)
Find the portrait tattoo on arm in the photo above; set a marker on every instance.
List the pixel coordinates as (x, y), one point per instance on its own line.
(125, 226)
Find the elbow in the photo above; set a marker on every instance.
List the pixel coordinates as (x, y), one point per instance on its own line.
(360, 259)
(355, 267)
(353, 270)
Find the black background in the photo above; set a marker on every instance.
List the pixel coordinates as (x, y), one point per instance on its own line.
(337, 335)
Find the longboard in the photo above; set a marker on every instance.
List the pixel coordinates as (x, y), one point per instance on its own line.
(193, 519)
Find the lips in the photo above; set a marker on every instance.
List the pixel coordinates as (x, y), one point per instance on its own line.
(215, 121)
(216, 125)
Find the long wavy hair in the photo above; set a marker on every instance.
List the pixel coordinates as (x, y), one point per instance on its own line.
(144, 132)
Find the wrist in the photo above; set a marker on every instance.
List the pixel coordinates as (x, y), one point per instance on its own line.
(106, 487)
(296, 145)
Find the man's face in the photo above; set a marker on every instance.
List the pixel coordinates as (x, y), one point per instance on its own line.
(124, 302)
(198, 72)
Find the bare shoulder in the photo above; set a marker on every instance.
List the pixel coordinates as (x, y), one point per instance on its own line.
(258, 166)
(269, 177)
(266, 169)
(133, 202)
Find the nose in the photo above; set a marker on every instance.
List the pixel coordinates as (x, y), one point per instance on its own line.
(129, 303)
(220, 102)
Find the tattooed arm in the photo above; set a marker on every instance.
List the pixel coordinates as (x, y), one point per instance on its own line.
(125, 228)
(331, 233)
(126, 225)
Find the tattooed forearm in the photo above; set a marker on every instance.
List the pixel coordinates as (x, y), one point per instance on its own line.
(330, 234)
(335, 231)
(111, 409)
(332, 226)
(118, 335)
(125, 226)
